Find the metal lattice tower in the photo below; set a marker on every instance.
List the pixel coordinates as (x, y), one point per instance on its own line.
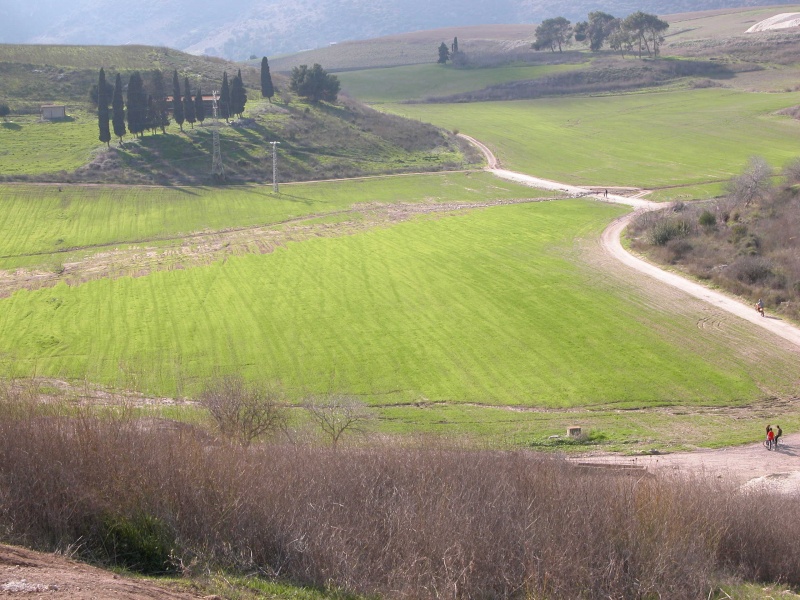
(217, 170)
(275, 166)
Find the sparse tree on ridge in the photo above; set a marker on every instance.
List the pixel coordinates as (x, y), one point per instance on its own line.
(454, 46)
(267, 89)
(315, 83)
(224, 103)
(238, 95)
(118, 110)
(444, 54)
(647, 30)
(102, 109)
(199, 107)
(597, 29)
(552, 34)
(177, 100)
(4, 110)
(188, 103)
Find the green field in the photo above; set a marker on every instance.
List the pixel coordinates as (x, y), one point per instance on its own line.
(428, 81)
(642, 140)
(466, 308)
(37, 221)
(28, 145)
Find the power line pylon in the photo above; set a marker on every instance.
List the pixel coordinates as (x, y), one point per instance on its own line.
(217, 171)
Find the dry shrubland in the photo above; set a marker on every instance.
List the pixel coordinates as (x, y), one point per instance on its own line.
(746, 242)
(421, 522)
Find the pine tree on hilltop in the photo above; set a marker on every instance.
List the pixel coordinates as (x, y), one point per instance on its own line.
(199, 107)
(188, 103)
(238, 95)
(224, 103)
(177, 101)
(267, 89)
(102, 110)
(118, 110)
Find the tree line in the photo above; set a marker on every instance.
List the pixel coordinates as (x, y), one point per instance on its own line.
(144, 110)
(639, 30)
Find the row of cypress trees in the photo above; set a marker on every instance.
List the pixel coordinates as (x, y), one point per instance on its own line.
(150, 111)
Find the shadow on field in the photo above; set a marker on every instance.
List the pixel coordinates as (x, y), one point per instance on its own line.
(11, 125)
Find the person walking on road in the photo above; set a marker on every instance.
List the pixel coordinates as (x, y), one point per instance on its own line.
(770, 438)
(778, 434)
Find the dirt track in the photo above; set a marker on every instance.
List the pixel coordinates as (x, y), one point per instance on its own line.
(751, 465)
(28, 574)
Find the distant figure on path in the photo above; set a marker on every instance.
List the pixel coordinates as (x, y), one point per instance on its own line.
(760, 307)
(770, 438)
(605, 194)
(778, 434)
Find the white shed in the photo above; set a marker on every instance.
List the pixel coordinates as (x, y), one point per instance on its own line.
(53, 111)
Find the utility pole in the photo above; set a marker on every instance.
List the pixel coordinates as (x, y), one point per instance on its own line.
(217, 172)
(275, 166)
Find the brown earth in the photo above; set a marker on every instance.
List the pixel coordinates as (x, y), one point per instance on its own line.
(28, 574)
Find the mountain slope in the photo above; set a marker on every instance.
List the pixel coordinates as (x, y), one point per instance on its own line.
(269, 27)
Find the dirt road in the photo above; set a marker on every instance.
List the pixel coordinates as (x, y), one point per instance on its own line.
(611, 243)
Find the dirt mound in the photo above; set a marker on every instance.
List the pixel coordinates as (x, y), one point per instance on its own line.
(37, 575)
(781, 21)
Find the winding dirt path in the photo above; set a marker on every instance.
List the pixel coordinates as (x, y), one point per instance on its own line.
(611, 243)
(750, 466)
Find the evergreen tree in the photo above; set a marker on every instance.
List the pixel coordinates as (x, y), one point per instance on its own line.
(188, 104)
(177, 101)
(199, 107)
(444, 53)
(224, 102)
(151, 117)
(102, 109)
(137, 104)
(118, 110)
(267, 89)
(160, 115)
(314, 83)
(238, 95)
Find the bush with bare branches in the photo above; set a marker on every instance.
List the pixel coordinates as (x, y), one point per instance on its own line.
(244, 411)
(337, 414)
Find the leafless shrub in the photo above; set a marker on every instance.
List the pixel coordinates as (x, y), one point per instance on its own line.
(753, 183)
(791, 171)
(337, 414)
(244, 411)
(403, 523)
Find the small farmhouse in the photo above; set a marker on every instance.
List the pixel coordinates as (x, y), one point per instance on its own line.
(53, 111)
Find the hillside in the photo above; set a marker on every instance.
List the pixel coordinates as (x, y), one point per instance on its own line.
(316, 141)
(259, 27)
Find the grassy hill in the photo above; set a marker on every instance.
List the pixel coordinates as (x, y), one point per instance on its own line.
(316, 141)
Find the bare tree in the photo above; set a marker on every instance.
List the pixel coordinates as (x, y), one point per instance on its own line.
(244, 412)
(336, 414)
(753, 183)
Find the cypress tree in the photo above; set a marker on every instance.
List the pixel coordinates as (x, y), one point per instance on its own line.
(188, 103)
(102, 110)
(238, 95)
(177, 101)
(151, 117)
(199, 107)
(160, 116)
(118, 110)
(137, 104)
(225, 98)
(267, 89)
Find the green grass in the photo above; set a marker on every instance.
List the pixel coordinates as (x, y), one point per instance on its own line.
(688, 192)
(28, 145)
(646, 140)
(488, 306)
(426, 81)
(84, 216)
